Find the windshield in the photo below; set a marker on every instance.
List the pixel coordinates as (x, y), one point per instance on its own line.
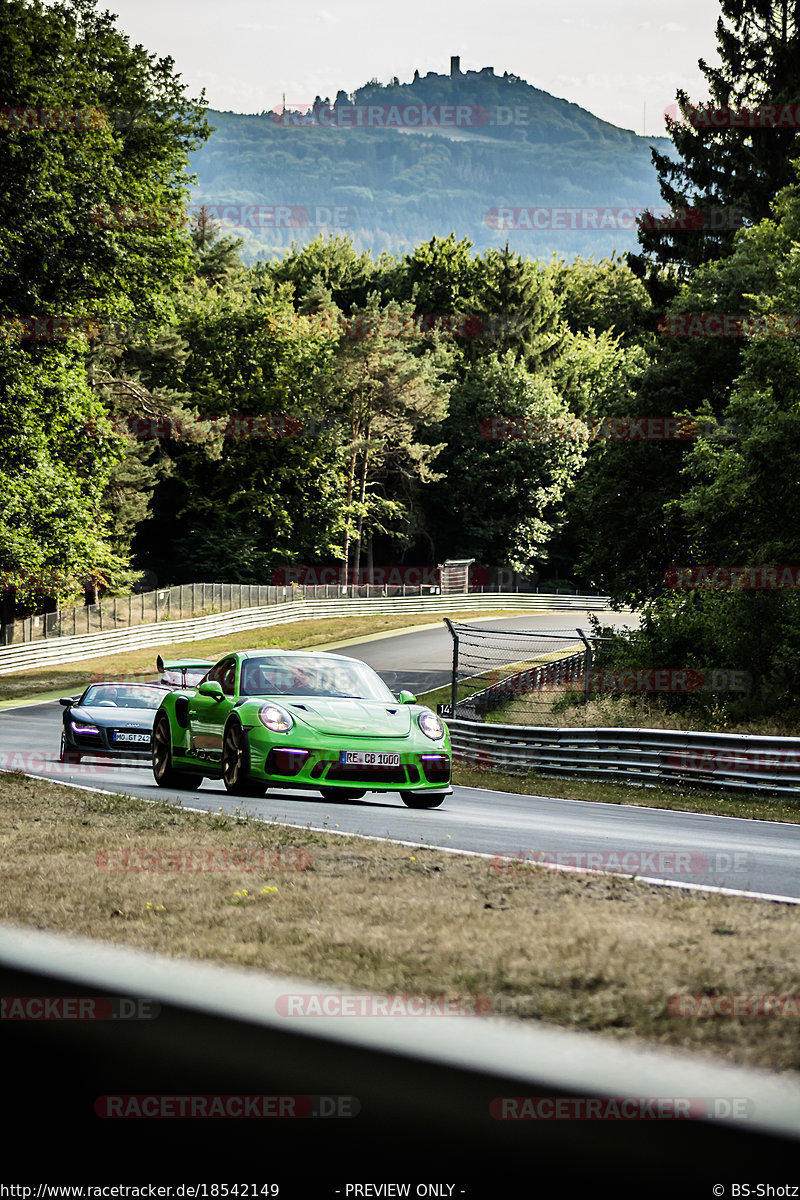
(311, 676)
(109, 695)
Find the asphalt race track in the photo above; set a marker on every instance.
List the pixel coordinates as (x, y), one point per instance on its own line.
(753, 856)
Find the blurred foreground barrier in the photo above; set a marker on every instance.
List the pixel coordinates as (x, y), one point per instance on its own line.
(423, 1094)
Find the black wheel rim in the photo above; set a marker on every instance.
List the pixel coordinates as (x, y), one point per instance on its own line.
(232, 757)
(161, 748)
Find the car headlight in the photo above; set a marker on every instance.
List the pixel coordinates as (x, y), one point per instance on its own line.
(83, 727)
(430, 725)
(275, 718)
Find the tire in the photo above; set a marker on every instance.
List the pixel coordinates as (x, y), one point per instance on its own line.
(341, 794)
(236, 763)
(164, 772)
(67, 754)
(422, 799)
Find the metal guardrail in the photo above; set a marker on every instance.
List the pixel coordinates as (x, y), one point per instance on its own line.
(734, 761)
(191, 600)
(432, 1084)
(95, 645)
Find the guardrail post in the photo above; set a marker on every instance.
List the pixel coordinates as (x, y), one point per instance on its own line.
(454, 680)
(588, 666)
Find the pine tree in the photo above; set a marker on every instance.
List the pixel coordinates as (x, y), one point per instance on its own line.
(519, 310)
(723, 163)
(215, 259)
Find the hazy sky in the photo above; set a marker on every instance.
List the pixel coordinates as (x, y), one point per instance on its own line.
(618, 59)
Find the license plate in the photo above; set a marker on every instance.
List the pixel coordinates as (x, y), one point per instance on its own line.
(368, 758)
(121, 736)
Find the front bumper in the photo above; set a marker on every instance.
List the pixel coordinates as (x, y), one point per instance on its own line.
(293, 765)
(105, 745)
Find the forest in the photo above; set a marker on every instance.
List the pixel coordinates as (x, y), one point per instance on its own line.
(168, 407)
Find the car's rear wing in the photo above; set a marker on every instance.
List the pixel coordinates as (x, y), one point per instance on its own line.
(182, 672)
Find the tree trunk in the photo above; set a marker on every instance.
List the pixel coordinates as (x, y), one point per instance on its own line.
(370, 564)
(90, 590)
(361, 497)
(7, 605)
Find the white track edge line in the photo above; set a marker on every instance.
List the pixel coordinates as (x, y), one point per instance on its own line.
(373, 837)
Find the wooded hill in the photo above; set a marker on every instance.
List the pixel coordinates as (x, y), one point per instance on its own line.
(404, 162)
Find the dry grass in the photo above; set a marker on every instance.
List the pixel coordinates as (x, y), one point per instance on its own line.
(631, 712)
(585, 953)
(69, 678)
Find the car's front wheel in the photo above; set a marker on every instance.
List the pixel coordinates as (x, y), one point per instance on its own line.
(423, 799)
(67, 754)
(236, 763)
(163, 770)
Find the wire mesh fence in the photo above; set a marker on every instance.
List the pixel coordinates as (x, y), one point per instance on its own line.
(203, 599)
(512, 677)
(182, 602)
(544, 678)
(142, 608)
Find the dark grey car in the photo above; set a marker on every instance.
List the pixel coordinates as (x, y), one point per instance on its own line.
(110, 720)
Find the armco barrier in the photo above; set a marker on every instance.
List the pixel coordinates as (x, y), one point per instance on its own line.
(734, 761)
(164, 633)
(431, 1084)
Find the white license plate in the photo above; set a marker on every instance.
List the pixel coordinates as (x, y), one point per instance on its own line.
(368, 758)
(131, 737)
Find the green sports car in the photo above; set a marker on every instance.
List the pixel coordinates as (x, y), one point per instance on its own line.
(298, 719)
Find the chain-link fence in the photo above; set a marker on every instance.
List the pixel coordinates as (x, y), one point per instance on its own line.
(512, 677)
(194, 600)
(163, 604)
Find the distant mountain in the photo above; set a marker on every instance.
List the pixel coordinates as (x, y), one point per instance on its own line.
(488, 157)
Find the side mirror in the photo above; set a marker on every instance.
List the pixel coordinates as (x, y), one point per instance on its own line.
(66, 701)
(213, 689)
(406, 697)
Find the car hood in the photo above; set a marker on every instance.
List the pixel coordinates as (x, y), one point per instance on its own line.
(351, 718)
(120, 718)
